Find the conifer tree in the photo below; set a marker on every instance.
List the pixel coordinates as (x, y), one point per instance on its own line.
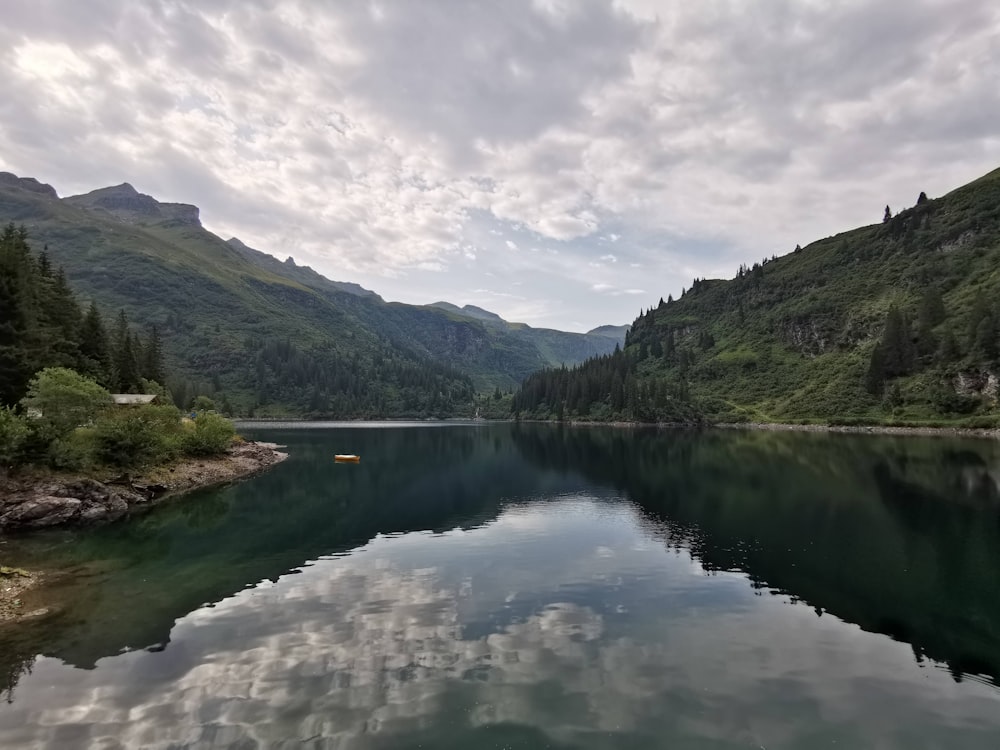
(94, 347)
(896, 344)
(948, 351)
(152, 358)
(14, 317)
(126, 369)
(982, 329)
(875, 377)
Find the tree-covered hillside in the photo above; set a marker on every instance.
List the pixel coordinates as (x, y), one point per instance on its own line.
(894, 321)
(273, 338)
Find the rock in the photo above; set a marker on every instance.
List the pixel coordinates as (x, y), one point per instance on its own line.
(49, 501)
(94, 514)
(116, 505)
(27, 183)
(41, 511)
(977, 383)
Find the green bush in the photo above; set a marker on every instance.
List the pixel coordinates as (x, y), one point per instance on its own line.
(13, 434)
(202, 403)
(64, 400)
(75, 452)
(132, 438)
(212, 434)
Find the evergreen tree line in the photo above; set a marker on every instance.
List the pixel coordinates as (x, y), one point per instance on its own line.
(911, 344)
(323, 383)
(607, 387)
(42, 325)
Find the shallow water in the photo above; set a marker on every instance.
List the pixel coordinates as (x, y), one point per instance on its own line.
(500, 586)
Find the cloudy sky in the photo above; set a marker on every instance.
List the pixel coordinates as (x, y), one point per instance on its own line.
(562, 162)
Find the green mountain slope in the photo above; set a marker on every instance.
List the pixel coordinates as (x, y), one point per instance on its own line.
(895, 321)
(274, 337)
(267, 342)
(494, 352)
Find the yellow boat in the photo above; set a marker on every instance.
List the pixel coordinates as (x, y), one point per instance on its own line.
(347, 458)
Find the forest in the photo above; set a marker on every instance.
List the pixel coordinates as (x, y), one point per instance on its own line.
(894, 323)
(59, 367)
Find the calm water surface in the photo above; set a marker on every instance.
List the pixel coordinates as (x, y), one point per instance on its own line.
(505, 586)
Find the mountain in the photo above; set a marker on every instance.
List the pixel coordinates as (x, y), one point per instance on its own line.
(303, 274)
(471, 311)
(896, 321)
(273, 337)
(612, 332)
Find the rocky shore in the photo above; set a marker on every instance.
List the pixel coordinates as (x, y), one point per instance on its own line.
(865, 429)
(38, 500)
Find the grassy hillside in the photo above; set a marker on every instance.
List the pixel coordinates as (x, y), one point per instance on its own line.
(892, 322)
(267, 342)
(274, 337)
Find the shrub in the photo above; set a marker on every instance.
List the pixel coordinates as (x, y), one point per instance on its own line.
(64, 400)
(13, 434)
(75, 451)
(133, 438)
(212, 434)
(202, 403)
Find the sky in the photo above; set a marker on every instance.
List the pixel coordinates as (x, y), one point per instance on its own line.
(564, 163)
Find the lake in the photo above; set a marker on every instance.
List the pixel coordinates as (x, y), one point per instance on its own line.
(532, 586)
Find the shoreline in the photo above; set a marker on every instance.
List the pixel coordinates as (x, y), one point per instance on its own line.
(45, 500)
(41, 499)
(971, 432)
(983, 433)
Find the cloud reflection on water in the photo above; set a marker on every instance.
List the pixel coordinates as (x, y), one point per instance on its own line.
(424, 638)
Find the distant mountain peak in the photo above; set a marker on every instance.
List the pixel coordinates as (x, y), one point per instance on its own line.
(27, 183)
(125, 188)
(470, 311)
(127, 204)
(612, 332)
(303, 274)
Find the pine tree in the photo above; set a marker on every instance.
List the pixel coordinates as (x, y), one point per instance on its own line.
(875, 377)
(125, 367)
(669, 347)
(930, 313)
(95, 348)
(61, 318)
(896, 345)
(982, 329)
(984, 343)
(948, 352)
(152, 359)
(14, 317)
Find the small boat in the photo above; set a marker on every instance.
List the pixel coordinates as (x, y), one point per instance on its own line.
(346, 458)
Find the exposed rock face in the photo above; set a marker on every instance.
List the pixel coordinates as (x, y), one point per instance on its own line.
(127, 204)
(27, 183)
(805, 336)
(32, 505)
(966, 238)
(83, 501)
(181, 213)
(984, 384)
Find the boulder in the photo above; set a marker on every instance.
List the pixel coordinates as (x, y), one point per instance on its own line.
(45, 510)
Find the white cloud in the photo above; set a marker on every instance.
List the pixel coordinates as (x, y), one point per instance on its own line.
(372, 141)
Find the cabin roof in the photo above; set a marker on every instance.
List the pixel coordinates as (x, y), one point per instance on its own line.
(132, 399)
